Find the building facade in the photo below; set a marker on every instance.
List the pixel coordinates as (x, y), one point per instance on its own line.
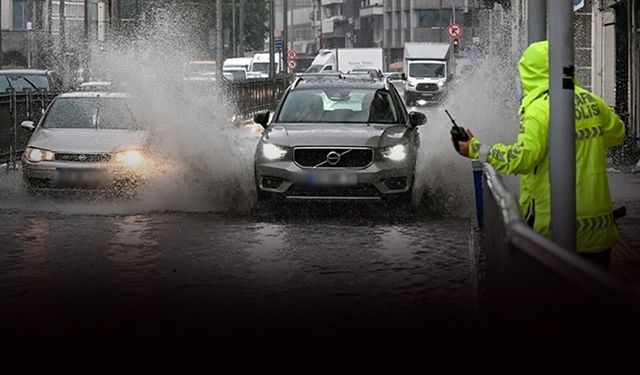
(426, 21)
(617, 63)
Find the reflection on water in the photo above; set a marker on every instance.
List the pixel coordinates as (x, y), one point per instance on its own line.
(132, 248)
(268, 253)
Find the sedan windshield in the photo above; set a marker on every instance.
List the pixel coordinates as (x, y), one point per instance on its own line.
(24, 82)
(339, 105)
(88, 113)
(426, 70)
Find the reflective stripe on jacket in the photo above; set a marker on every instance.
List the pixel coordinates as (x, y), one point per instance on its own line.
(597, 127)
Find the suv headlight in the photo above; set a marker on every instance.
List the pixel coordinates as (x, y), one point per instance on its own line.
(395, 153)
(273, 152)
(37, 155)
(441, 84)
(131, 158)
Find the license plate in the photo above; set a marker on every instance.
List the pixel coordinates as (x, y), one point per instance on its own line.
(75, 176)
(332, 179)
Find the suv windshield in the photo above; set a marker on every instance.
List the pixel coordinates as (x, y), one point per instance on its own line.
(339, 105)
(90, 113)
(426, 70)
(22, 82)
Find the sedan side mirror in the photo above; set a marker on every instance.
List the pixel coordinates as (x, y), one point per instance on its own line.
(417, 118)
(28, 125)
(262, 118)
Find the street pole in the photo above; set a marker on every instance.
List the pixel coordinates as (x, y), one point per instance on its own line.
(241, 28)
(233, 33)
(453, 10)
(61, 31)
(285, 37)
(272, 25)
(562, 144)
(536, 20)
(219, 37)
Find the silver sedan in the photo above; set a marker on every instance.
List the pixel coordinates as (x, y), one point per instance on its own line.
(86, 140)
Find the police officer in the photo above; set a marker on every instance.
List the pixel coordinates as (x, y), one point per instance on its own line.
(597, 127)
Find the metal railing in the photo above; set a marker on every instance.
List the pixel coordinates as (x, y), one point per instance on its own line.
(534, 286)
(16, 107)
(246, 98)
(252, 96)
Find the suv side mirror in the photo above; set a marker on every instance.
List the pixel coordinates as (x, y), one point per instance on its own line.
(262, 118)
(28, 125)
(417, 118)
(403, 77)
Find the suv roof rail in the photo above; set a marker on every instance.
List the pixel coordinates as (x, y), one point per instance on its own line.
(295, 83)
(386, 83)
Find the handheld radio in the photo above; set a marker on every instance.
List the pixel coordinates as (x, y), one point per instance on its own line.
(457, 133)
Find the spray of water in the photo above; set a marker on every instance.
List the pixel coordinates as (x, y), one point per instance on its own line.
(483, 100)
(206, 163)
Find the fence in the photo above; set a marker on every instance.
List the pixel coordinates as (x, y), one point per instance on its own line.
(245, 97)
(534, 286)
(16, 107)
(255, 95)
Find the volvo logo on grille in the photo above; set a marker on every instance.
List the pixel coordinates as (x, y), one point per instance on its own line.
(333, 158)
(82, 157)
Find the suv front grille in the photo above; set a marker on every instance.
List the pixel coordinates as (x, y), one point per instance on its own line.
(84, 158)
(320, 157)
(427, 87)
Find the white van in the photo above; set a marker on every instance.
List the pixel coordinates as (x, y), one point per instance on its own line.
(260, 65)
(238, 62)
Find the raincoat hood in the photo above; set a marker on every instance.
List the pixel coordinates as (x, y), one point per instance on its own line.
(534, 71)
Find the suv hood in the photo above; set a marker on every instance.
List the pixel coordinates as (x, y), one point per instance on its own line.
(354, 135)
(87, 140)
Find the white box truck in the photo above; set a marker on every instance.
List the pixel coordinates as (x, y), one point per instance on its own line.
(429, 69)
(346, 59)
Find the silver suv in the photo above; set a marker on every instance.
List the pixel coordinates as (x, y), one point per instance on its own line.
(338, 139)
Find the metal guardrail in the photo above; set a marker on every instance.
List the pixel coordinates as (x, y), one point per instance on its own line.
(252, 96)
(536, 287)
(245, 97)
(16, 107)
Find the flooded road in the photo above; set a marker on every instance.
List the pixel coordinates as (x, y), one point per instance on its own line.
(179, 275)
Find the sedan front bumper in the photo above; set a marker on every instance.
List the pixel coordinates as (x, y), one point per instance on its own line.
(70, 175)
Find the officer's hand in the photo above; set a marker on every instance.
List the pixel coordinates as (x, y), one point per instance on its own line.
(464, 146)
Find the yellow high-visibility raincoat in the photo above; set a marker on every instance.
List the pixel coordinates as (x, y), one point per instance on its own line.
(597, 127)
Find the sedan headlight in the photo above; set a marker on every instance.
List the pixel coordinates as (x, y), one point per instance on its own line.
(395, 153)
(131, 158)
(37, 155)
(273, 152)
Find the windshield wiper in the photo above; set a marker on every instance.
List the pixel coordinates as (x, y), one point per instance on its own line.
(29, 82)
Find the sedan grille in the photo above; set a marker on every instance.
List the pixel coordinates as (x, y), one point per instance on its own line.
(84, 158)
(339, 157)
(427, 87)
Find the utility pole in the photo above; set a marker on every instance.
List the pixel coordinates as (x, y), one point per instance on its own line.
(241, 28)
(219, 36)
(285, 37)
(61, 32)
(272, 25)
(234, 36)
(536, 20)
(562, 135)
